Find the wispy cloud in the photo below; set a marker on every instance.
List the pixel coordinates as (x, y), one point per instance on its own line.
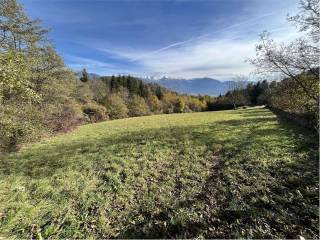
(221, 57)
(77, 61)
(176, 44)
(177, 38)
(99, 67)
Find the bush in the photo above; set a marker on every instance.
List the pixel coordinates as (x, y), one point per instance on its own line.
(19, 124)
(220, 104)
(154, 104)
(84, 93)
(196, 105)
(99, 90)
(179, 106)
(116, 107)
(65, 117)
(289, 97)
(95, 112)
(138, 107)
(169, 99)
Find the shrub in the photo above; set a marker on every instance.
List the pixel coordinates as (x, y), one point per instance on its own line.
(154, 104)
(95, 112)
(289, 97)
(195, 104)
(116, 107)
(138, 107)
(99, 90)
(220, 103)
(84, 94)
(179, 105)
(64, 118)
(169, 99)
(19, 124)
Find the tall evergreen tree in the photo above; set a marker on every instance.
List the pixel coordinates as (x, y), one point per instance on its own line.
(159, 93)
(84, 76)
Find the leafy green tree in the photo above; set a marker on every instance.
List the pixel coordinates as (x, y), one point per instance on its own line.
(298, 61)
(15, 78)
(299, 56)
(33, 78)
(17, 30)
(113, 83)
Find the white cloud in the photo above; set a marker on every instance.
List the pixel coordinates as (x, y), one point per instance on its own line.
(221, 58)
(95, 66)
(219, 54)
(76, 61)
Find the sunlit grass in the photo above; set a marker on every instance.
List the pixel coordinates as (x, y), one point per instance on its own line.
(221, 174)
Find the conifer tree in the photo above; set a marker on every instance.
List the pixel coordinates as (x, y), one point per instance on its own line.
(84, 76)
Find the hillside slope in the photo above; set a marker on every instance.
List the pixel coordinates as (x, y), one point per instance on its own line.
(225, 174)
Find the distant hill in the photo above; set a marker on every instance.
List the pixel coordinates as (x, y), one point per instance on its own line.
(195, 86)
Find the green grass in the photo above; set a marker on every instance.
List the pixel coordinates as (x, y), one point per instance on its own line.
(227, 174)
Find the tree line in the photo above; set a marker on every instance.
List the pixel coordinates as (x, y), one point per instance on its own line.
(284, 96)
(114, 97)
(40, 96)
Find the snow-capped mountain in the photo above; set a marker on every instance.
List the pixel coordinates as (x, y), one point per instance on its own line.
(207, 86)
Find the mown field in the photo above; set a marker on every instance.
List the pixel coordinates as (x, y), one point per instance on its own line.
(227, 174)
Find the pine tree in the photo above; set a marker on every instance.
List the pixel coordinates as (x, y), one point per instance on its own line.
(159, 92)
(84, 76)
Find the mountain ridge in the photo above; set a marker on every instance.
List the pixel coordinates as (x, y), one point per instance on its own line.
(193, 86)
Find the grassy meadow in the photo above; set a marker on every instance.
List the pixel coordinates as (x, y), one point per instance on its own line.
(227, 174)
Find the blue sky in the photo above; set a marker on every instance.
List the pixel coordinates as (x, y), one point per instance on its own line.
(176, 38)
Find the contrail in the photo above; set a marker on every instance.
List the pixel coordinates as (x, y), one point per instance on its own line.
(199, 37)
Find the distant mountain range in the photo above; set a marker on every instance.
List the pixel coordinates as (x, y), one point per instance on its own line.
(194, 86)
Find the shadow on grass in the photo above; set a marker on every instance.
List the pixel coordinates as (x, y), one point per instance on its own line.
(46, 160)
(242, 197)
(280, 199)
